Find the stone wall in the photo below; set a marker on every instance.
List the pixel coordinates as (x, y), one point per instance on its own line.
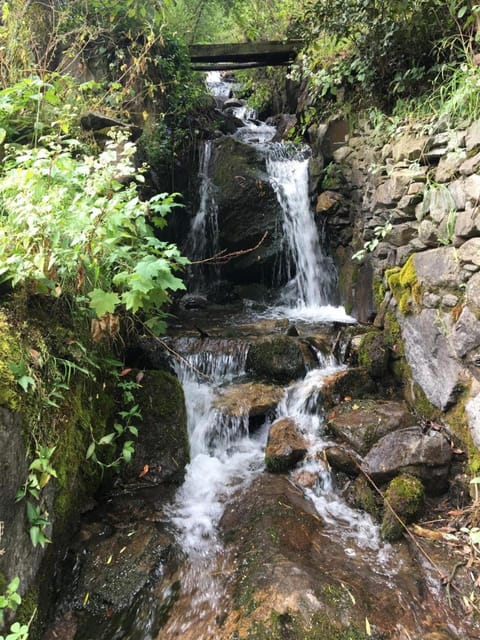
(422, 279)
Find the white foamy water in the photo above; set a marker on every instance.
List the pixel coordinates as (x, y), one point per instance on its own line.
(302, 402)
(310, 274)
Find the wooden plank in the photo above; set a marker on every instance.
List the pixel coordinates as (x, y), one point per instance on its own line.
(242, 52)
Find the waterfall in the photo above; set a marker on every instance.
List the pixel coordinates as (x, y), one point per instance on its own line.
(310, 274)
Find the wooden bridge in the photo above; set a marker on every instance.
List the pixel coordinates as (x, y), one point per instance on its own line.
(243, 55)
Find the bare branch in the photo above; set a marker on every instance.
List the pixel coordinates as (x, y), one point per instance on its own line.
(222, 256)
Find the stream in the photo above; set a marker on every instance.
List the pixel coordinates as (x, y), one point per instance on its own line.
(240, 552)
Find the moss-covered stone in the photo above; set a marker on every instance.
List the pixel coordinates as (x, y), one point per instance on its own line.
(9, 352)
(373, 354)
(286, 626)
(364, 496)
(404, 285)
(162, 442)
(279, 358)
(405, 496)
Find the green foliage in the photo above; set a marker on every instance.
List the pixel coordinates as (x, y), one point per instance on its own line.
(10, 599)
(124, 427)
(41, 472)
(386, 49)
(379, 233)
(71, 228)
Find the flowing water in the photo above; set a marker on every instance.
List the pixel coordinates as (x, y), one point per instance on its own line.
(227, 453)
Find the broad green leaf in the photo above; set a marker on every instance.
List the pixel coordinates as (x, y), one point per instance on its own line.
(103, 302)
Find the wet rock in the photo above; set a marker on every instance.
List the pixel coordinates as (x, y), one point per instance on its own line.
(281, 588)
(232, 102)
(247, 209)
(355, 382)
(341, 459)
(285, 446)
(18, 557)
(162, 443)
(363, 423)
(306, 479)
(278, 358)
(405, 495)
(424, 455)
(327, 202)
(253, 399)
(193, 301)
(430, 357)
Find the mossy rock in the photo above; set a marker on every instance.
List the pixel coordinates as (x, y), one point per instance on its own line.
(405, 286)
(162, 442)
(373, 354)
(405, 495)
(363, 496)
(277, 358)
(10, 352)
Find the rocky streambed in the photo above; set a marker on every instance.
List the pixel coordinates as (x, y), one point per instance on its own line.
(278, 530)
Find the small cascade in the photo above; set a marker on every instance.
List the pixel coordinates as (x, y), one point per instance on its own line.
(202, 239)
(301, 402)
(224, 459)
(310, 274)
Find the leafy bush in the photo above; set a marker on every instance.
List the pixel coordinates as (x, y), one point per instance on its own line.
(69, 226)
(388, 49)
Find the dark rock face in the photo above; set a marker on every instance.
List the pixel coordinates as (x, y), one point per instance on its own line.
(425, 455)
(247, 209)
(285, 447)
(162, 442)
(361, 427)
(279, 358)
(19, 558)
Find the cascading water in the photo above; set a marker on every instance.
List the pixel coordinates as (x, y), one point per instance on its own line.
(310, 274)
(224, 459)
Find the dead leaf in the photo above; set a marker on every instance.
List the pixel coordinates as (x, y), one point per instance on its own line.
(348, 398)
(430, 534)
(125, 372)
(139, 377)
(144, 471)
(458, 451)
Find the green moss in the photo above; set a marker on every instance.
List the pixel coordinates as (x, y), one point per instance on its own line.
(379, 291)
(9, 352)
(405, 495)
(404, 285)
(292, 627)
(365, 497)
(28, 607)
(3, 583)
(456, 418)
(373, 353)
(77, 478)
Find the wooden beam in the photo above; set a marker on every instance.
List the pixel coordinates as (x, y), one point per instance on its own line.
(262, 53)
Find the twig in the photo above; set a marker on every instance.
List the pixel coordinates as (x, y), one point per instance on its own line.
(222, 257)
(176, 355)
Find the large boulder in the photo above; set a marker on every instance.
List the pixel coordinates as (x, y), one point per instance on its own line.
(362, 423)
(247, 209)
(162, 443)
(277, 358)
(425, 455)
(285, 447)
(252, 399)
(430, 356)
